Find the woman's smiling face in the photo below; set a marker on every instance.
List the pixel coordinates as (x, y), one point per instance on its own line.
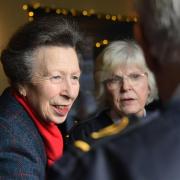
(55, 82)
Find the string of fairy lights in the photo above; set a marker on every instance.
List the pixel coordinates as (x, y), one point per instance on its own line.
(34, 8)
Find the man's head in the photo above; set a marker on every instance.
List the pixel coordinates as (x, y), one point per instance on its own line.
(160, 28)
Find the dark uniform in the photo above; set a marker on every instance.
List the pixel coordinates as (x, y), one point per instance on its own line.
(150, 151)
(83, 129)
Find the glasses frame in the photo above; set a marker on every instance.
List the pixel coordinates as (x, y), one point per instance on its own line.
(117, 81)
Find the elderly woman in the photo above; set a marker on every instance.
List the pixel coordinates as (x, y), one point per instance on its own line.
(124, 86)
(41, 63)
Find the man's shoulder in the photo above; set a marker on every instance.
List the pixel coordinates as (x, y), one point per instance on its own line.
(92, 161)
(116, 153)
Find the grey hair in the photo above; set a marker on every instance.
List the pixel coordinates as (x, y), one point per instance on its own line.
(120, 53)
(19, 55)
(161, 22)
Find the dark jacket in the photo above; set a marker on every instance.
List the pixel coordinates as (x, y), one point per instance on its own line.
(150, 151)
(22, 152)
(83, 129)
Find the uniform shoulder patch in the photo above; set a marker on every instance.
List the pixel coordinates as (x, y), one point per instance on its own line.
(82, 145)
(111, 129)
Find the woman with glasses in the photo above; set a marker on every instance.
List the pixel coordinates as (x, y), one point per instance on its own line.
(124, 86)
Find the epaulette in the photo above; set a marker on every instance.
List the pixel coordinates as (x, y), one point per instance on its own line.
(104, 132)
(82, 145)
(111, 129)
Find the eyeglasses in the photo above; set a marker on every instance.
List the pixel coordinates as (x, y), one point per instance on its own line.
(117, 81)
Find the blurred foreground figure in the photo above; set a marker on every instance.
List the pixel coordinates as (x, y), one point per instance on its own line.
(150, 151)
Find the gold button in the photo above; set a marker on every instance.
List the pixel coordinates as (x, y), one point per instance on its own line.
(75, 121)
